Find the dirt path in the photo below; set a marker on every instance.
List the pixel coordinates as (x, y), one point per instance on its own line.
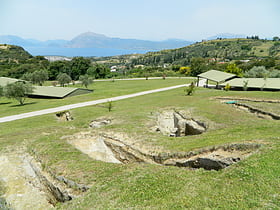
(83, 104)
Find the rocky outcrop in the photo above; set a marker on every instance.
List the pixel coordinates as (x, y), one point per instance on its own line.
(98, 123)
(64, 116)
(173, 123)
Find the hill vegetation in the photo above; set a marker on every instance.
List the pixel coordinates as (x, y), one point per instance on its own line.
(238, 56)
(199, 57)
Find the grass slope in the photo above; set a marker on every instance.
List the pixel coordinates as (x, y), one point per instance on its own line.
(250, 184)
(101, 90)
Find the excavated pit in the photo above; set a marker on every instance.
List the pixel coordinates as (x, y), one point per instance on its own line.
(250, 109)
(26, 185)
(175, 124)
(215, 158)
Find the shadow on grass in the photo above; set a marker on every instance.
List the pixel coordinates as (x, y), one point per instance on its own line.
(5, 103)
(18, 105)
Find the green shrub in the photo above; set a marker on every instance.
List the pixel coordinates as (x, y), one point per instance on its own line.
(227, 87)
(190, 89)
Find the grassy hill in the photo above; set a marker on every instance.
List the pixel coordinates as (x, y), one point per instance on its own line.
(232, 49)
(252, 183)
(15, 61)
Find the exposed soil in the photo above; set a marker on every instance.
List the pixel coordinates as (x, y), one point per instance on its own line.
(251, 109)
(64, 116)
(27, 186)
(214, 158)
(175, 123)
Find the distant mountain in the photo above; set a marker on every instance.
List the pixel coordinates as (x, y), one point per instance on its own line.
(16, 40)
(227, 36)
(94, 40)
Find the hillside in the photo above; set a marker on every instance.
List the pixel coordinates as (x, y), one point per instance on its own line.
(232, 49)
(12, 52)
(15, 61)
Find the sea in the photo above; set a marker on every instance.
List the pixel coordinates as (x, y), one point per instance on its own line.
(84, 52)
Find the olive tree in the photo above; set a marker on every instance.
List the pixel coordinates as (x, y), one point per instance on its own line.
(18, 91)
(63, 79)
(39, 77)
(85, 80)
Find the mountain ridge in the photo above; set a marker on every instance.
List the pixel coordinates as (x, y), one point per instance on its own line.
(95, 40)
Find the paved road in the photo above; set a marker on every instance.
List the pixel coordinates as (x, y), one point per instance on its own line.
(83, 104)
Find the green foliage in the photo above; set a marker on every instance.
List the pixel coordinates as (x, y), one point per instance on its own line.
(190, 89)
(86, 80)
(110, 106)
(186, 70)
(78, 66)
(245, 85)
(233, 69)
(257, 72)
(98, 71)
(18, 91)
(274, 73)
(57, 67)
(198, 66)
(1, 91)
(37, 77)
(227, 87)
(63, 79)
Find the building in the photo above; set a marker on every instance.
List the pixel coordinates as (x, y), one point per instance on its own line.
(46, 91)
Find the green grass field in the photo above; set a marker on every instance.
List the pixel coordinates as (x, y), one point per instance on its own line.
(250, 184)
(100, 90)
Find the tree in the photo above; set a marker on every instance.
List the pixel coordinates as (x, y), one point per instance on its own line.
(39, 77)
(98, 71)
(79, 66)
(27, 77)
(86, 80)
(276, 38)
(63, 79)
(233, 69)
(257, 72)
(57, 67)
(198, 65)
(18, 91)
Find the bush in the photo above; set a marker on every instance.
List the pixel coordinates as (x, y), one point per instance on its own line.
(227, 87)
(190, 89)
(257, 72)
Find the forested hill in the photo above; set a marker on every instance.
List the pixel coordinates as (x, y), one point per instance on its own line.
(13, 52)
(15, 61)
(221, 49)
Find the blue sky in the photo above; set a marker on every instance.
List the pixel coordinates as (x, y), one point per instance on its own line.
(140, 19)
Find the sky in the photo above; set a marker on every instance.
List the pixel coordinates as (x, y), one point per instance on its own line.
(139, 19)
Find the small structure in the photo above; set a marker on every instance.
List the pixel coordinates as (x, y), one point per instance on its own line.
(254, 83)
(215, 76)
(47, 92)
(6, 80)
(57, 92)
